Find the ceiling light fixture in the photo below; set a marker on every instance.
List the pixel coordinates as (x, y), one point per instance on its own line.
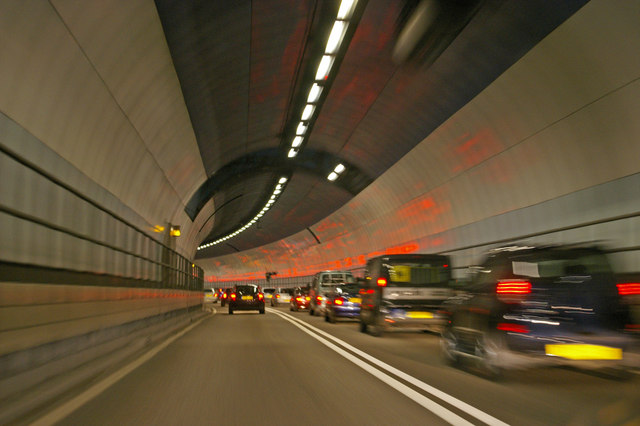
(336, 172)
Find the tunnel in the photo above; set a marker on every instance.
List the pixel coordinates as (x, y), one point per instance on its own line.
(150, 150)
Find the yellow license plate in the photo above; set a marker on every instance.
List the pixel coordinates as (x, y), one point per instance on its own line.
(419, 315)
(355, 300)
(577, 351)
(247, 297)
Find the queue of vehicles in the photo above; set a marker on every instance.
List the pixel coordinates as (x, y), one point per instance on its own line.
(523, 307)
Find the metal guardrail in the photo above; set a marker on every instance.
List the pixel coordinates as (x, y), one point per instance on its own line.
(174, 270)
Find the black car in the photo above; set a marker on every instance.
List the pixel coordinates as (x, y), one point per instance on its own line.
(534, 306)
(224, 299)
(343, 301)
(246, 297)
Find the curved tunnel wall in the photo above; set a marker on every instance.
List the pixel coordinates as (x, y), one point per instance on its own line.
(552, 144)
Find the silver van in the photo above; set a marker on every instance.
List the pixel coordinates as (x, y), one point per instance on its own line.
(405, 291)
(323, 283)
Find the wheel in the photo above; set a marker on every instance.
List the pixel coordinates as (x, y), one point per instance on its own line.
(378, 327)
(332, 317)
(230, 311)
(487, 349)
(262, 311)
(326, 317)
(363, 326)
(291, 308)
(448, 347)
(310, 311)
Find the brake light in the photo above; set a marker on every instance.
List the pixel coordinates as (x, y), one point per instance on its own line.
(300, 299)
(319, 298)
(308, 298)
(514, 328)
(339, 301)
(233, 296)
(628, 289)
(277, 296)
(382, 282)
(224, 296)
(260, 296)
(513, 287)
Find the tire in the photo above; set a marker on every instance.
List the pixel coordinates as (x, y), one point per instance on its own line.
(230, 311)
(310, 311)
(332, 317)
(262, 311)
(363, 326)
(378, 328)
(326, 317)
(448, 346)
(488, 347)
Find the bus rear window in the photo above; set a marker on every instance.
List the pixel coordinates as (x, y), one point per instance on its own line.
(417, 274)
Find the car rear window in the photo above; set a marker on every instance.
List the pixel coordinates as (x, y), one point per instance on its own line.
(246, 290)
(348, 288)
(338, 278)
(554, 265)
(417, 274)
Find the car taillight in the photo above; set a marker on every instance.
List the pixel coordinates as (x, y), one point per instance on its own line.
(308, 298)
(513, 291)
(277, 296)
(513, 287)
(300, 299)
(260, 296)
(319, 298)
(514, 328)
(338, 301)
(233, 296)
(224, 296)
(628, 289)
(382, 282)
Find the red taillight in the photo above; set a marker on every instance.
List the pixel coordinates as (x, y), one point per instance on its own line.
(515, 328)
(277, 296)
(628, 289)
(308, 298)
(319, 298)
(224, 296)
(339, 301)
(513, 287)
(233, 296)
(382, 282)
(300, 299)
(260, 296)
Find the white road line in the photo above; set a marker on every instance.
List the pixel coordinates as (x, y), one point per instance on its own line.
(430, 405)
(73, 404)
(461, 405)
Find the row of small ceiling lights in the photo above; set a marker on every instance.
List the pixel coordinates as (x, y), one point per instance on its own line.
(274, 196)
(333, 45)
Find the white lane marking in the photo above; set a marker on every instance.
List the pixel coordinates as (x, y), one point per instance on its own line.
(430, 405)
(469, 409)
(73, 404)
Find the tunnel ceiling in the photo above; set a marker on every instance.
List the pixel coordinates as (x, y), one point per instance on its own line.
(245, 68)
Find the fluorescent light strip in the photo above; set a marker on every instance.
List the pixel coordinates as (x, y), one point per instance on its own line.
(335, 38)
(314, 93)
(324, 67)
(346, 9)
(308, 111)
(277, 190)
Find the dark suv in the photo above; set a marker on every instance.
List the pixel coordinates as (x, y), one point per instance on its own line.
(529, 306)
(246, 298)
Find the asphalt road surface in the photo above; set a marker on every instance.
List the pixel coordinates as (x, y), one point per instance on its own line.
(288, 368)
